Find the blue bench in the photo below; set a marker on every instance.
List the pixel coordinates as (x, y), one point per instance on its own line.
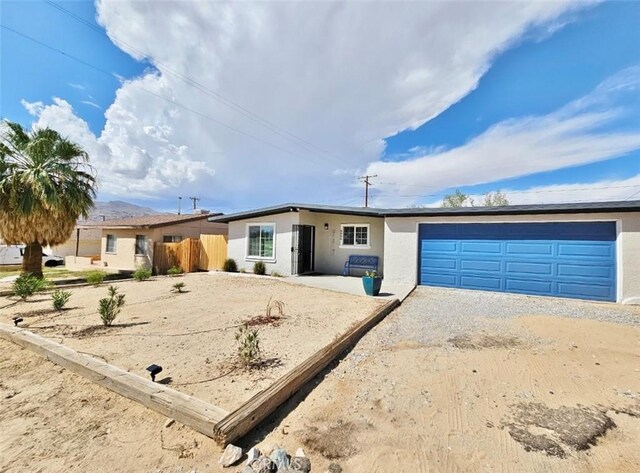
(360, 262)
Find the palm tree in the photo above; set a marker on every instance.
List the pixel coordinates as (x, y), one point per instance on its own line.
(46, 184)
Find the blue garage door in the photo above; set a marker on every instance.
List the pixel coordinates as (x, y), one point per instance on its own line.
(551, 259)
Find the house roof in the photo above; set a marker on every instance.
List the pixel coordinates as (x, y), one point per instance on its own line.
(580, 207)
(147, 221)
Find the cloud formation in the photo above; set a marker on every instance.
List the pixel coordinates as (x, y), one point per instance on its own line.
(338, 77)
(578, 133)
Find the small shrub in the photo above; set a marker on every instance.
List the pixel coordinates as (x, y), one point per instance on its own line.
(242, 270)
(59, 298)
(109, 307)
(175, 271)
(141, 274)
(276, 274)
(95, 277)
(179, 286)
(259, 268)
(248, 344)
(27, 285)
(230, 266)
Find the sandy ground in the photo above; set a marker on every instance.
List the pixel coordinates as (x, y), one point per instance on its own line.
(538, 394)
(192, 335)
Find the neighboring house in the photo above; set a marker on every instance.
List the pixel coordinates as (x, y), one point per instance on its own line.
(582, 250)
(127, 243)
(84, 241)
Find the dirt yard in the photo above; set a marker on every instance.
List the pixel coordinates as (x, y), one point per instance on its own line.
(439, 385)
(192, 334)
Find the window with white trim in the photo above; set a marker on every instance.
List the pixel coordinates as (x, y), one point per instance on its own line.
(354, 235)
(171, 238)
(111, 244)
(261, 241)
(141, 244)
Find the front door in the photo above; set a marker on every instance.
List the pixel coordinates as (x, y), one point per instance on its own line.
(302, 249)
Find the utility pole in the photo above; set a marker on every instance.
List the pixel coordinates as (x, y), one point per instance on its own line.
(179, 203)
(365, 179)
(195, 202)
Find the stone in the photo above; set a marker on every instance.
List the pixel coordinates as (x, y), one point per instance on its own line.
(264, 465)
(300, 464)
(169, 423)
(280, 458)
(334, 468)
(300, 453)
(247, 469)
(252, 455)
(230, 456)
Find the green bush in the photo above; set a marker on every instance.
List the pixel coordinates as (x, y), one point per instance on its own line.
(179, 286)
(59, 298)
(95, 277)
(248, 345)
(175, 271)
(141, 274)
(276, 274)
(230, 266)
(259, 268)
(109, 307)
(27, 285)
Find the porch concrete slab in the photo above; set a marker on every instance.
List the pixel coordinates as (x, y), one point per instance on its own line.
(352, 285)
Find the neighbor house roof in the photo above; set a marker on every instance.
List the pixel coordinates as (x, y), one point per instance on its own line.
(147, 221)
(581, 207)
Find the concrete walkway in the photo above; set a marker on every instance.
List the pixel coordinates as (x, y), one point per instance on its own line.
(352, 285)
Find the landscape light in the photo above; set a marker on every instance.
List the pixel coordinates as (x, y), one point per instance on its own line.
(17, 320)
(154, 370)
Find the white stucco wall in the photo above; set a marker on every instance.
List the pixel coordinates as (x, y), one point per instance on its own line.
(281, 263)
(329, 256)
(401, 244)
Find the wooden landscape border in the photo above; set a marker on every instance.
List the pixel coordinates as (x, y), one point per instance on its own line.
(206, 418)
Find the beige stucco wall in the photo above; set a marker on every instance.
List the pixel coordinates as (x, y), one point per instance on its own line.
(125, 258)
(281, 263)
(401, 244)
(329, 256)
(90, 239)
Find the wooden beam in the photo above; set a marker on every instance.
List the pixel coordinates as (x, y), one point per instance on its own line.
(186, 409)
(251, 413)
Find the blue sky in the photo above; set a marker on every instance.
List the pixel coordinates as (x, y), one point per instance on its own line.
(161, 137)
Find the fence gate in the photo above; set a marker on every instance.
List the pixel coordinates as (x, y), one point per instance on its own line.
(213, 252)
(185, 254)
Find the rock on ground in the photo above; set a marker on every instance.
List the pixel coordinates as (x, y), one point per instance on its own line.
(231, 455)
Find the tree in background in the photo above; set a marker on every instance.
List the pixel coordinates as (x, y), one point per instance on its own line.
(46, 184)
(460, 199)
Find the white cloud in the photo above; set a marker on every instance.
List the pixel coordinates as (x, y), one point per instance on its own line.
(579, 133)
(91, 104)
(340, 75)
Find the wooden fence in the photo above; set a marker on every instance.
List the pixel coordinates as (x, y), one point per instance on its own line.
(213, 252)
(207, 253)
(185, 254)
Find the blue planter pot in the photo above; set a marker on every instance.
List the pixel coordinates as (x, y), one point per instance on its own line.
(371, 285)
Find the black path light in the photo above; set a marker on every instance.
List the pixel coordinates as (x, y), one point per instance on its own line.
(17, 320)
(154, 370)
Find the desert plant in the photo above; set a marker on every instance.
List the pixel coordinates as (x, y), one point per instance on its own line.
(59, 298)
(248, 344)
(276, 274)
(175, 271)
(271, 305)
(141, 274)
(26, 285)
(95, 277)
(109, 307)
(259, 268)
(242, 270)
(230, 266)
(179, 286)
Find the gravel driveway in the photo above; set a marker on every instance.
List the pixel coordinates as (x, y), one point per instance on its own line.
(432, 315)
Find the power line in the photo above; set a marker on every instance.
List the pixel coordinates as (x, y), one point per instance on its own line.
(173, 102)
(365, 179)
(310, 147)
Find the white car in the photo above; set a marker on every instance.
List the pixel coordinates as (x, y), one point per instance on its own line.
(13, 254)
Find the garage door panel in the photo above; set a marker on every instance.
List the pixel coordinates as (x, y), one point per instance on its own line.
(515, 268)
(494, 247)
(480, 282)
(529, 248)
(567, 259)
(480, 265)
